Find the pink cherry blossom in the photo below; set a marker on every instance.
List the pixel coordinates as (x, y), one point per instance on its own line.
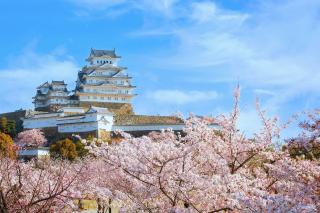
(31, 138)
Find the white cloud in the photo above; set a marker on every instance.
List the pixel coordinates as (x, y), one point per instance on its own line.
(249, 122)
(207, 11)
(204, 11)
(27, 71)
(112, 7)
(275, 47)
(264, 92)
(182, 97)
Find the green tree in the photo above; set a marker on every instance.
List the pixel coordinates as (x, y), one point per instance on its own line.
(64, 149)
(19, 126)
(6, 146)
(80, 147)
(11, 128)
(3, 124)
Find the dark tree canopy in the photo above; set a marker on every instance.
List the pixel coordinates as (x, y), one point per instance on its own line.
(64, 149)
(7, 146)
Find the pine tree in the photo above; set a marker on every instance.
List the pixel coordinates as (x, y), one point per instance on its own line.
(11, 128)
(6, 146)
(64, 149)
(3, 124)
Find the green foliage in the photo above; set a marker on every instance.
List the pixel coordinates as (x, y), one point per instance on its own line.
(6, 146)
(309, 150)
(64, 149)
(19, 126)
(8, 127)
(11, 128)
(3, 124)
(90, 137)
(81, 151)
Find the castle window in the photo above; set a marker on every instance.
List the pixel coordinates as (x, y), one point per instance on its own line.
(88, 97)
(94, 97)
(109, 98)
(110, 62)
(102, 98)
(123, 99)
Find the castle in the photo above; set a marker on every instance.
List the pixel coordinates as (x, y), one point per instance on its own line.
(100, 103)
(100, 83)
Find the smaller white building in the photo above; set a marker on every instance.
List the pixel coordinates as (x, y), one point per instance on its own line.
(53, 95)
(71, 120)
(34, 152)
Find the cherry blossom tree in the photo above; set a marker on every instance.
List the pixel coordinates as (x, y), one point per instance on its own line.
(207, 170)
(46, 186)
(31, 138)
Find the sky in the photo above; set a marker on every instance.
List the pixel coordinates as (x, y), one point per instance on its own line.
(184, 55)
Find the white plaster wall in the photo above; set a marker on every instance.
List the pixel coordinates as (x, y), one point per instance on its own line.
(44, 90)
(92, 117)
(105, 122)
(58, 101)
(34, 152)
(105, 100)
(96, 60)
(128, 128)
(59, 87)
(39, 104)
(58, 93)
(73, 109)
(81, 127)
(175, 127)
(39, 123)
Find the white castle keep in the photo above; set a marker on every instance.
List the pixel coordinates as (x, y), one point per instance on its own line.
(102, 80)
(101, 83)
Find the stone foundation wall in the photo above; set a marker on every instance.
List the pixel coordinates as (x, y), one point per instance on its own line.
(104, 135)
(116, 108)
(52, 134)
(53, 108)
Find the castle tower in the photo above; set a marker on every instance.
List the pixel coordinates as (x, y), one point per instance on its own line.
(52, 96)
(103, 83)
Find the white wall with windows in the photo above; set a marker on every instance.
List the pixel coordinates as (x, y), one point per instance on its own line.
(78, 127)
(106, 99)
(98, 61)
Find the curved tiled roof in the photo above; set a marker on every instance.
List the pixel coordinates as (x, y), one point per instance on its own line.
(99, 53)
(145, 119)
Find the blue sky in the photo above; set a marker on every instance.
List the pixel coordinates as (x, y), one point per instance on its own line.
(184, 55)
